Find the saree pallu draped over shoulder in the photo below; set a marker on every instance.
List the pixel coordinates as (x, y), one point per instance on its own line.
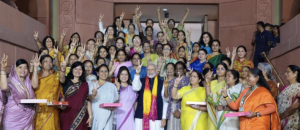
(75, 115)
(47, 117)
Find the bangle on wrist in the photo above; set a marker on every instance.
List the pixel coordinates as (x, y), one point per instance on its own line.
(207, 84)
(225, 97)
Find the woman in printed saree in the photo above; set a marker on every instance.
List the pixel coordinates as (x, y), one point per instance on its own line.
(288, 101)
(148, 57)
(167, 50)
(18, 86)
(267, 72)
(233, 89)
(125, 114)
(78, 114)
(212, 92)
(102, 91)
(192, 117)
(242, 60)
(47, 117)
(257, 100)
(216, 56)
(200, 62)
(173, 110)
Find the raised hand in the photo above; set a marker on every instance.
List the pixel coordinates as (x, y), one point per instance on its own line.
(227, 51)
(178, 79)
(189, 32)
(101, 17)
(94, 91)
(36, 61)
(32, 61)
(187, 10)
(105, 38)
(224, 91)
(98, 41)
(122, 16)
(4, 62)
(158, 9)
(234, 51)
(36, 35)
(139, 68)
(112, 56)
(166, 82)
(55, 51)
(63, 65)
(117, 84)
(137, 8)
(189, 56)
(114, 67)
(63, 34)
(139, 14)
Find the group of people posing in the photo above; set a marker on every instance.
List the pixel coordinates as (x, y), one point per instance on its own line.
(153, 74)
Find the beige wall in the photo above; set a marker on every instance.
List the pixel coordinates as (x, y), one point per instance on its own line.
(16, 34)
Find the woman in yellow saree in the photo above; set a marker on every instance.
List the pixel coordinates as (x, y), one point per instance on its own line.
(192, 117)
(47, 117)
(212, 92)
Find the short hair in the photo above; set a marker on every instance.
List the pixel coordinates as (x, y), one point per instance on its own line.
(149, 64)
(261, 23)
(235, 74)
(45, 56)
(266, 67)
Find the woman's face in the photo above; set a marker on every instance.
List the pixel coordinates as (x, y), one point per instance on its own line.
(100, 62)
(110, 31)
(290, 75)
(167, 50)
(171, 24)
(120, 44)
(275, 30)
(103, 53)
(121, 35)
(131, 29)
(49, 43)
(196, 48)
(22, 70)
(117, 21)
(124, 76)
(149, 32)
(88, 68)
(221, 70)
(206, 39)
(149, 23)
(161, 37)
(202, 55)
(181, 52)
(136, 41)
(112, 50)
(99, 35)
(77, 71)
(245, 72)
(146, 47)
(170, 70)
(121, 56)
(90, 45)
(230, 80)
(44, 52)
(136, 60)
(79, 50)
(72, 59)
(174, 33)
(76, 37)
(181, 36)
(194, 79)
(159, 49)
(241, 52)
(215, 46)
(47, 63)
(206, 65)
(103, 73)
(180, 70)
(252, 81)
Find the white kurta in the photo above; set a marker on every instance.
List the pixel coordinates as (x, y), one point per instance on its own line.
(154, 125)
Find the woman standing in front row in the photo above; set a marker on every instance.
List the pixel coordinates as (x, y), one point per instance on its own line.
(78, 114)
(257, 100)
(100, 92)
(18, 86)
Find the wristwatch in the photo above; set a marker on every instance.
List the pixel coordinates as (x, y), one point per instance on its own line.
(257, 114)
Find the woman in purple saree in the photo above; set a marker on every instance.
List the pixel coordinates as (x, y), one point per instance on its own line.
(125, 114)
(18, 86)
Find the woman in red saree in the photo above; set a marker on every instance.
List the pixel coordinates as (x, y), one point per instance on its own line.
(78, 114)
(257, 100)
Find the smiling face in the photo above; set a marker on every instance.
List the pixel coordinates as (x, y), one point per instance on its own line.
(181, 52)
(131, 29)
(149, 32)
(181, 36)
(103, 73)
(124, 76)
(167, 50)
(79, 50)
(22, 70)
(88, 68)
(206, 39)
(47, 63)
(174, 33)
(221, 70)
(99, 35)
(241, 52)
(149, 23)
(170, 70)
(215, 46)
(160, 37)
(180, 70)
(159, 49)
(121, 56)
(202, 55)
(110, 31)
(136, 41)
(72, 59)
(194, 79)
(76, 37)
(245, 72)
(151, 71)
(146, 47)
(49, 43)
(90, 45)
(230, 80)
(119, 44)
(77, 71)
(103, 53)
(171, 24)
(136, 60)
(290, 75)
(112, 49)
(196, 48)
(252, 80)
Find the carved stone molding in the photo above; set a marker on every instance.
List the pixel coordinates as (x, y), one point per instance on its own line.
(66, 18)
(264, 11)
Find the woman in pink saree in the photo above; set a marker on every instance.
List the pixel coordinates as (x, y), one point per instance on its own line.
(18, 86)
(121, 61)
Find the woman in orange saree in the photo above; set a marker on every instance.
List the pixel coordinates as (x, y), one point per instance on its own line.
(47, 117)
(257, 100)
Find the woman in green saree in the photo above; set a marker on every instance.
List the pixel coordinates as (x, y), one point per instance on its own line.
(216, 56)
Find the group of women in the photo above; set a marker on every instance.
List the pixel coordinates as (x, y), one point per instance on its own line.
(102, 71)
